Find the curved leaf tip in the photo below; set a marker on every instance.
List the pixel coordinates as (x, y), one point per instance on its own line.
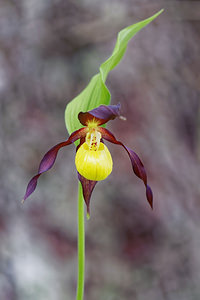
(96, 92)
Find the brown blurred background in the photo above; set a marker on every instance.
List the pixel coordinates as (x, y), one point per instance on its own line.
(48, 52)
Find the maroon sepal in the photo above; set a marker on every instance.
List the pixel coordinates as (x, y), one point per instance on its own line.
(100, 115)
(88, 187)
(137, 165)
(48, 160)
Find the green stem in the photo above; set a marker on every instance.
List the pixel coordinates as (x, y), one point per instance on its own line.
(81, 245)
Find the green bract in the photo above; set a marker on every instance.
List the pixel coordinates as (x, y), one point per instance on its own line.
(96, 93)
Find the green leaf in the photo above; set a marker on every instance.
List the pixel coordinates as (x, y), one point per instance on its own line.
(96, 93)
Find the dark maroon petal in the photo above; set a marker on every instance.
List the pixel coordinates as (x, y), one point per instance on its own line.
(100, 115)
(50, 157)
(88, 187)
(48, 160)
(31, 186)
(149, 195)
(137, 165)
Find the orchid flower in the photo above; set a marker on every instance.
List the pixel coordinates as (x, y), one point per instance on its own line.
(93, 160)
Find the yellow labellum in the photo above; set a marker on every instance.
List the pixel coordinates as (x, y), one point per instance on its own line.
(93, 164)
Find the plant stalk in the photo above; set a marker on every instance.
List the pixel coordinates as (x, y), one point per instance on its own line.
(81, 245)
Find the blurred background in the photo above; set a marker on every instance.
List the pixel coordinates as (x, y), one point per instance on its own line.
(49, 50)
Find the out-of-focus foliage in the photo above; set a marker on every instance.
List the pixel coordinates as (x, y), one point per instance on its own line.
(49, 50)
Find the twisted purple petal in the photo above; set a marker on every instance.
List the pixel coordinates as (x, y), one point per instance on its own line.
(49, 158)
(88, 187)
(100, 115)
(137, 165)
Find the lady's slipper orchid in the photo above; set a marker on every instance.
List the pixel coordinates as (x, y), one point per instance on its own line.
(93, 160)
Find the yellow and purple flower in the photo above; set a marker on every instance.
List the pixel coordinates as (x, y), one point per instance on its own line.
(93, 160)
